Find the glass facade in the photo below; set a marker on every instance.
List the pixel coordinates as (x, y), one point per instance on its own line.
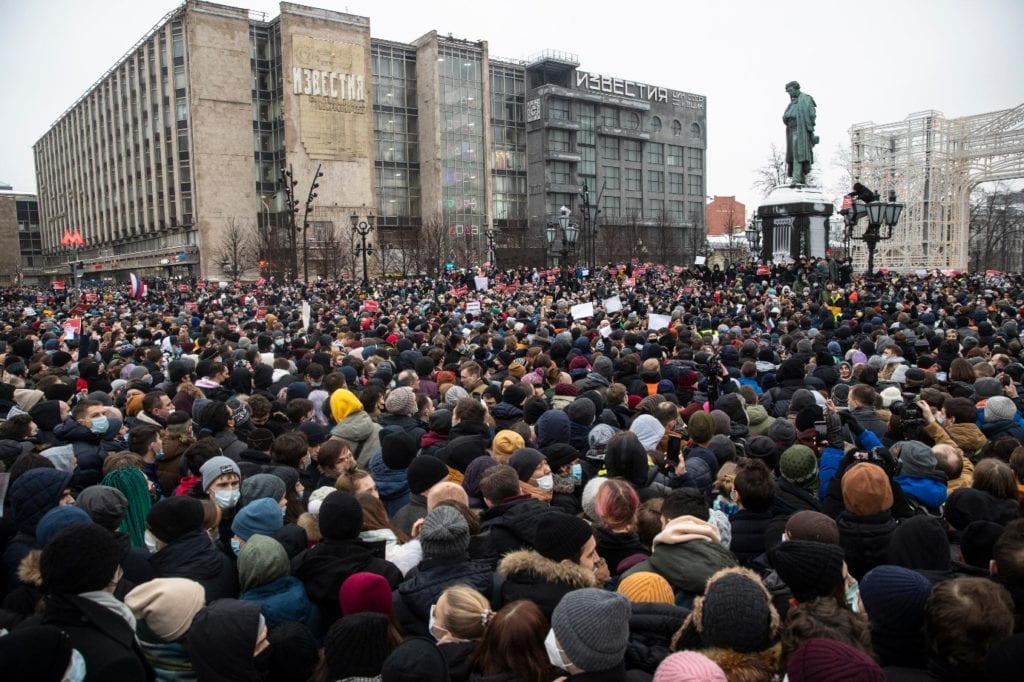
(267, 122)
(395, 135)
(508, 145)
(460, 80)
(30, 239)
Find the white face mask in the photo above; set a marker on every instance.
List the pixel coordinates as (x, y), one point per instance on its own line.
(546, 482)
(436, 631)
(76, 670)
(554, 654)
(150, 542)
(226, 499)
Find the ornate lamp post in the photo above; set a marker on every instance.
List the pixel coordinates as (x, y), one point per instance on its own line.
(880, 214)
(569, 234)
(754, 236)
(363, 228)
(490, 246)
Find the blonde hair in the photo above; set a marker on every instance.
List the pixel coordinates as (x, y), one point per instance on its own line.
(466, 612)
(726, 476)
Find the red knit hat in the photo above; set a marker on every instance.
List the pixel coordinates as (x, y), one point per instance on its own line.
(827, 659)
(365, 593)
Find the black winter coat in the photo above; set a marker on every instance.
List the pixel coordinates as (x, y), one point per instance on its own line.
(195, 557)
(414, 597)
(791, 498)
(748, 535)
(614, 547)
(651, 628)
(512, 525)
(865, 540)
(528, 575)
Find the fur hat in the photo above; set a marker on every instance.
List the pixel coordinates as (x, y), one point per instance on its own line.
(592, 628)
(167, 605)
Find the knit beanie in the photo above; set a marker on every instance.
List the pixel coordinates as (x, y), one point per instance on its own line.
(828, 659)
(866, 490)
(812, 526)
(104, 504)
(799, 466)
(525, 461)
(809, 569)
(416, 659)
(365, 593)
(977, 541)
(761, 447)
(736, 612)
(444, 534)
(504, 444)
(56, 520)
(916, 458)
(561, 536)
(987, 387)
(262, 517)
(132, 482)
(592, 628)
(314, 433)
(999, 408)
(723, 425)
(723, 449)
(167, 605)
(425, 471)
(782, 432)
(464, 450)
(80, 558)
(356, 646)
(174, 517)
(259, 486)
(688, 666)
(293, 654)
(261, 561)
(589, 498)
(398, 449)
(401, 401)
(341, 516)
(646, 587)
(216, 467)
(894, 598)
(648, 430)
(701, 427)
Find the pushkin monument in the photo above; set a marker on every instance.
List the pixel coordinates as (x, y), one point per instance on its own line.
(800, 138)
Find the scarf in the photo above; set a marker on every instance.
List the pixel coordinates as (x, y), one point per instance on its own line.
(536, 493)
(109, 601)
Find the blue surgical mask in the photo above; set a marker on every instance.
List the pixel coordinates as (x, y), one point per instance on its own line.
(577, 472)
(76, 670)
(100, 424)
(236, 545)
(159, 455)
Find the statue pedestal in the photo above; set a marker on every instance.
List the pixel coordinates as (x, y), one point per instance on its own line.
(794, 223)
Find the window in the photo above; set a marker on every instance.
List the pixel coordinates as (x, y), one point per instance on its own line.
(695, 131)
(675, 183)
(695, 185)
(656, 182)
(558, 108)
(695, 159)
(610, 117)
(610, 206)
(611, 177)
(656, 153)
(677, 128)
(675, 155)
(655, 208)
(560, 172)
(676, 211)
(655, 124)
(634, 208)
(588, 160)
(695, 212)
(559, 140)
(610, 148)
(632, 179)
(631, 150)
(631, 120)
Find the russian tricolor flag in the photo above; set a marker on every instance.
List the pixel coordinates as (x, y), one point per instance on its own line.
(138, 289)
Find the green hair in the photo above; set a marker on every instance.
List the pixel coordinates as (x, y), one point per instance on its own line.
(132, 482)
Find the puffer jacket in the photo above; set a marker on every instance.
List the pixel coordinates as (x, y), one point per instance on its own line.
(34, 493)
(283, 600)
(414, 597)
(195, 557)
(526, 574)
(512, 524)
(748, 534)
(505, 415)
(361, 434)
(865, 540)
(651, 628)
(392, 484)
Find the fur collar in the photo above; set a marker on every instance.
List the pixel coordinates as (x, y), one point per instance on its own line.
(757, 666)
(533, 563)
(29, 571)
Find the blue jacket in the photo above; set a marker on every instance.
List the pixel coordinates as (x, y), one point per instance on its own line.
(752, 382)
(927, 491)
(831, 458)
(284, 599)
(392, 484)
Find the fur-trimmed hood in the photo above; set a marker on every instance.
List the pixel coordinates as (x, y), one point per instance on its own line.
(758, 666)
(684, 529)
(28, 570)
(542, 569)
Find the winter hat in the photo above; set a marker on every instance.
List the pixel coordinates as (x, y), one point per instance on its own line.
(799, 466)
(356, 646)
(782, 432)
(504, 444)
(424, 472)
(174, 517)
(688, 666)
(261, 561)
(701, 427)
(105, 504)
(977, 541)
(734, 406)
(966, 505)
(261, 517)
(397, 449)
(646, 587)
(812, 526)
(552, 427)
(736, 612)
(56, 520)
(445, 533)
(560, 455)
(314, 433)
(341, 516)
(416, 659)
(999, 408)
(589, 497)
(648, 431)
(561, 536)
(987, 387)
(259, 486)
(474, 474)
(581, 412)
(806, 418)
(35, 653)
(920, 543)
(802, 398)
(365, 593)
(809, 569)
(464, 450)
(894, 598)
(916, 458)
(592, 628)
(80, 558)
(761, 447)
(525, 461)
(604, 366)
(723, 425)
(723, 448)
(828, 659)
(866, 490)
(216, 467)
(167, 605)
(890, 396)
(401, 401)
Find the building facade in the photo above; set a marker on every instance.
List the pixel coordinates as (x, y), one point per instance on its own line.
(21, 242)
(452, 155)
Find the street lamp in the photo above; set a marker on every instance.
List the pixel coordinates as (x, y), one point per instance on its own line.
(305, 221)
(363, 229)
(863, 201)
(754, 236)
(569, 234)
(293, 208)
(490, 246)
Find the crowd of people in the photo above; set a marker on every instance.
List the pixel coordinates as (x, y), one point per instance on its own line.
(751, 474)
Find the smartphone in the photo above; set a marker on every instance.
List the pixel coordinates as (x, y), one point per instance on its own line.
(820, 429)
(673, 448)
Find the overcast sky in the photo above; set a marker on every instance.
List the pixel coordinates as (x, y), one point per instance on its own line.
(868, 60)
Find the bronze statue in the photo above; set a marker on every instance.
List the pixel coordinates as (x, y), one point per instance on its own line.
(800, 137)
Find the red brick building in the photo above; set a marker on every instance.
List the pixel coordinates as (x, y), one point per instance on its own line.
(725, 215)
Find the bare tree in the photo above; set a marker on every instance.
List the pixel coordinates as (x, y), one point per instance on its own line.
(435, 242)
(997, 229)
(237, 248)
(773, 173)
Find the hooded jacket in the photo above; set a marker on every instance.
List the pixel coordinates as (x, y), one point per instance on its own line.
(686, 553)
(414, 597)
(36, 492)
(651, 628)
(526, 574)
(195, 557)
(968, 438)
(865, 540)
(505, 415)
(263, 575)
(927, 491)
(759, 420)
(360, 433)
(392, 484)
(512, 524)
(222, 641)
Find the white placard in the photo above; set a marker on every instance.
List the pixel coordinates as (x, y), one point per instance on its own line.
(582, 310)
(656, 322)
(473, 307)
(613, 304)
(699, 260)
(305, 315)
(481, 283)
(605, 332)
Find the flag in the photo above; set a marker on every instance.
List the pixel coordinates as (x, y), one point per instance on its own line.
(770, 323)
(138, 289)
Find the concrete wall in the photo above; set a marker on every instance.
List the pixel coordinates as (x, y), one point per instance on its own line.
(10, 249)
(427, 88)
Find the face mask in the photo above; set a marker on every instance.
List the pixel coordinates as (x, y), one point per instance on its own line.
(76, 668)
(279, 343)
(226, 499)
(159, 455)
(236, 545)
(554, 655)
(150, 542)
(546, 482)
(577, 472)
(100, 425)
(436, 631)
